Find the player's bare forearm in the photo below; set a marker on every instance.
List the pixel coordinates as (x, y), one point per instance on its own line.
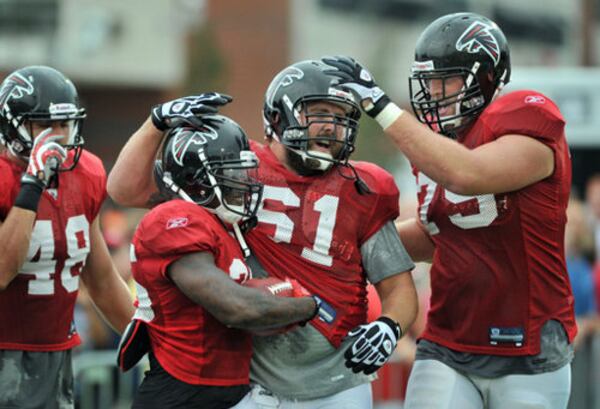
(506, 164)
(399, 299)
(433, 154)
(416, 240)
(104, 284)
(15, 236)
(114, 302)
(234, 305)
(263, 311)
(130, 182)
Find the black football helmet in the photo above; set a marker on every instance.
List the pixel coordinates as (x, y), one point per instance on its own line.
(211, 164)
(285, 105)
(464, 45)
(43, 94)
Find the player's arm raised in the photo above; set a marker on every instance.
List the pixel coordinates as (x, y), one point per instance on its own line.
(15, 231)
(506, 164)
(130, 181)
(197, 276)
(15, 235)
(104, 284)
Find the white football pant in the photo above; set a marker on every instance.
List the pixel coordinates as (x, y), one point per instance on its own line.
(433, 384)
(358, 397)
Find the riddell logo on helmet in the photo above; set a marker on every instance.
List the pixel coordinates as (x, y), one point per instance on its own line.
(422, 66)
(62, 109)
(479, 37)
(339, 93)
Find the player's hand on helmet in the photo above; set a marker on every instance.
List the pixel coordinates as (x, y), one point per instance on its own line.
(187, 110)
(46, 157)
(373, 345)
(359, 80)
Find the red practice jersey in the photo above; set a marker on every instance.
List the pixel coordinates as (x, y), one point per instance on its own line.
(36, 309)
(498, 270)
(311, 229)
(187, 340)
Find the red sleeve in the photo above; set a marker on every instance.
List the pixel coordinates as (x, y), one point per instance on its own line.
(9, 187)
(384, 198)
(526, 113)
(174, 229)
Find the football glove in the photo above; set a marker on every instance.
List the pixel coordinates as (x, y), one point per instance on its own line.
(187, 110)
(44, 160)
(373, 346)
(354, 77)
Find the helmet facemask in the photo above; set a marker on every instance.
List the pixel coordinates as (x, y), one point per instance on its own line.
(227, 188)
(450, 112)
(319, 138)
(464, 46)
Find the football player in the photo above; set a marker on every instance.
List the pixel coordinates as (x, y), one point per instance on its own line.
(323, 220)
(51, 190)
(187, 266)
(494, 174)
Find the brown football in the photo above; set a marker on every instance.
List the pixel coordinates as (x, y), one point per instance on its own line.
(277, 287)
(271, 285)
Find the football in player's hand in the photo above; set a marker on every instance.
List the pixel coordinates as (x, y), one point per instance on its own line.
(271, 285)
(276, 287)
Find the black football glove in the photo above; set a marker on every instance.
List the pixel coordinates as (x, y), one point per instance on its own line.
(187, 110)
(373, 346)
(358, 80)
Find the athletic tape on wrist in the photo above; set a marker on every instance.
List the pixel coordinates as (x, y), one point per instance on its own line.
(388, 115)
(29, 197)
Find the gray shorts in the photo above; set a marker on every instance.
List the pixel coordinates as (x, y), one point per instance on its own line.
(40, 380)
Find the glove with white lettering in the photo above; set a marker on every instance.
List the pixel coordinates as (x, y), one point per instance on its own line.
(187, 110)
(44, 160)
(358, 80)
(374, 344)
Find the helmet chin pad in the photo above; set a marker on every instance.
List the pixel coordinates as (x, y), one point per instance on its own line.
(226, 215)
(309, 163)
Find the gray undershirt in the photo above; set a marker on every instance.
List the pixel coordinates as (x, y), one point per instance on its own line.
(555, 352)
(302, 364)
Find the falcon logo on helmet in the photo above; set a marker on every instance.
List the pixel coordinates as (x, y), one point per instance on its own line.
(182, 140)
(288, 77)
(477, 37)
(15, 87)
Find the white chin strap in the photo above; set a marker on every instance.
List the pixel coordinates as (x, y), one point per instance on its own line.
(324, 164)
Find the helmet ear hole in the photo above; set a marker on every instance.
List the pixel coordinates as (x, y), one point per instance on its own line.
(274, 119)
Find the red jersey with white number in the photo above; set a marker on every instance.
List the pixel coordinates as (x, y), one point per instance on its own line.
(498, 270)
(187, 340)
(36, 309)
(311, 229)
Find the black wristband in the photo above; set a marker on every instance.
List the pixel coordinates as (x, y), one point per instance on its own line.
(393, 325)
(30, 193)
(382, 103)
(156, 121)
